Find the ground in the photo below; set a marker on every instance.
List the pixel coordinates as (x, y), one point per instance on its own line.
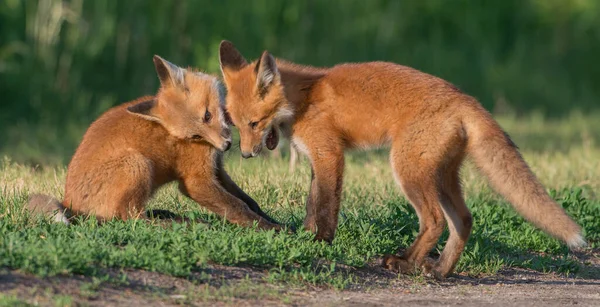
(507, 262)
(245, 287)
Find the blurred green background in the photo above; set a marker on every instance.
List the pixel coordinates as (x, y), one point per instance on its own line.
(62, 63)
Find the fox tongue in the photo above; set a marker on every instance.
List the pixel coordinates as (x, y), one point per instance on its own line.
(272, 139)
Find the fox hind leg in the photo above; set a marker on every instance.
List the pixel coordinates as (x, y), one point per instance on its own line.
(427, 171)
(459, 222)
(423, 194)
(134, 187)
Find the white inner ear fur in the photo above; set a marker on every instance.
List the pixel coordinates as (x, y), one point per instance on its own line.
(147, 117)
(144, 110)
(176, 73)
(177, 76)
(219, 88)
(266, 76)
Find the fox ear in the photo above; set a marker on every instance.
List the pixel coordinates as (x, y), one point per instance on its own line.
(266, 71)
(145, 109)
(230, 58)
(169, 74)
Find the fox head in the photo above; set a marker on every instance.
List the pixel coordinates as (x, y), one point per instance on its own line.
(256, 101)
(189, 105)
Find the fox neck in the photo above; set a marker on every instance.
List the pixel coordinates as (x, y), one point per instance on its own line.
(298, 82)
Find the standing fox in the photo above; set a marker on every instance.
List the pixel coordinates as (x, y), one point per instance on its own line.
(135, 148)
(430, 125)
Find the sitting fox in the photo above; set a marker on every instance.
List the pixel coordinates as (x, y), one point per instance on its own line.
(135, 148)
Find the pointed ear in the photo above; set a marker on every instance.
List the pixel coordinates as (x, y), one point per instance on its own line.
(230, 58)
(266, 72)
(169, 74)
(145, 110)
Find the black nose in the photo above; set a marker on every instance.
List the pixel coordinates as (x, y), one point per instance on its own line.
(226, 146)
(246, 155)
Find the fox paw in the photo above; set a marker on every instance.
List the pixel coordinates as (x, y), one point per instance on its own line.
(430, 268)
(398, 265)
(276, 227)
(291, 229)
(287, 229)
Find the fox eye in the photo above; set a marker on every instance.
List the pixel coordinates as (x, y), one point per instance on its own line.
(207, 116)
(253, 125)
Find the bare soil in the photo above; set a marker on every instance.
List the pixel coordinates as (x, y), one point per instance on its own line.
(241, 286)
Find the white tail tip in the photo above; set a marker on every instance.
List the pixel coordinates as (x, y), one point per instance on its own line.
(576, 242)
(60, 217)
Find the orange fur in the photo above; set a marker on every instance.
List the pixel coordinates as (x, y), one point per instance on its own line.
(134, 148)
(429, 124)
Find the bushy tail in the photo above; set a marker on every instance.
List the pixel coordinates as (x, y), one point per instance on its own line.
(496, 155)
(49, 206)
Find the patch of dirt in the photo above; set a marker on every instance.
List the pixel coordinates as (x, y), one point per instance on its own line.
(515, 287)
(216, 285)
(245, 286)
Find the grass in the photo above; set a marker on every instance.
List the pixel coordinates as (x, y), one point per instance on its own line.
(13, 300)
(10, 300)
(375, 220)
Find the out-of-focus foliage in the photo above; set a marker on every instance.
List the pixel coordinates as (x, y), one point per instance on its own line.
(62, 63)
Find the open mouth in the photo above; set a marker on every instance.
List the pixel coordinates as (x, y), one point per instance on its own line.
(272, 139)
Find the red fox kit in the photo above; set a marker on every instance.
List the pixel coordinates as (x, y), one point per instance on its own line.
(134, 148)
(430, 125)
